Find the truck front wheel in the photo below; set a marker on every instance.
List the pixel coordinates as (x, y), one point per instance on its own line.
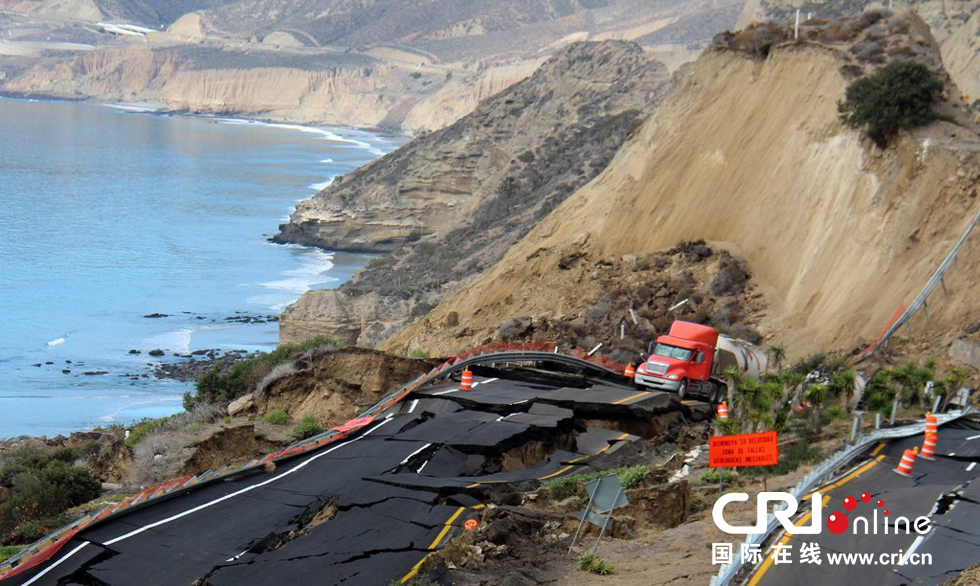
(682, 389)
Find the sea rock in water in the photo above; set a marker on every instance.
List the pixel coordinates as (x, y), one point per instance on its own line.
(156, 315)
(156, 352)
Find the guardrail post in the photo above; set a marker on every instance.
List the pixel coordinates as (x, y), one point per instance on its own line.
(894, 410)
(855, 427)
(877, 420)
(935, 404)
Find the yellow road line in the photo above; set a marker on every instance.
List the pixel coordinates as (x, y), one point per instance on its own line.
(553, 474)
(445, 529)
(783, 541)
(636, 396)
(786, 537)
(849, 477)
(448, 524)
(877, 449)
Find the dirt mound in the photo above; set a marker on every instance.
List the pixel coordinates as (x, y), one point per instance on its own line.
(623, 302)
(231, 445)
(751, 152)
(334, 385)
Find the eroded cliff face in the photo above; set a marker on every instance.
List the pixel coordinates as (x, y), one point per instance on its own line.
(955, 24)
(751, 153)
(450, 203)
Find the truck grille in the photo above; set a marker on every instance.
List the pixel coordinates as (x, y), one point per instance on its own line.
(656, 367)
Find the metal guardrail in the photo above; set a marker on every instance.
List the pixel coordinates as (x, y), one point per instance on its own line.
(819, 476)
(920, 300)
(46, 547)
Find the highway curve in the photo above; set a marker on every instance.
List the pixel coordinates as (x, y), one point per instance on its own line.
(945, 490)
(369, 509)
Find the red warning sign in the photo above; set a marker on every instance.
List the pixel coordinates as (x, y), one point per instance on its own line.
(750, 449)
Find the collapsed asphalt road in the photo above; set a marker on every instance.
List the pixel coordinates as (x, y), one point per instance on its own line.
(368, 510)
(945, 490)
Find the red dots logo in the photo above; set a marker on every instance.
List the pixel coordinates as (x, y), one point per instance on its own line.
(837, 523)
(865, 497)
(850, 503)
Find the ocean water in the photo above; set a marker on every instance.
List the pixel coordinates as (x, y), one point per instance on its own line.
(109, 214)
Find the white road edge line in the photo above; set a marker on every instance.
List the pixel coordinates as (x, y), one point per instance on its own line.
(972, 437)
(413, 405)
(237, 556)
(206, 505)
(444, 392)
(915, 546)
(410, 456)
(55, 565)
(489, 380)
(971, 466)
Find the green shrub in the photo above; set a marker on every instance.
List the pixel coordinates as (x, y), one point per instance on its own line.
(40, 487)
(145, 427)
(566, 486)
(589, 562)
(9, 551)
(308, 427)
(277, 417)
(898, 97)
(711, 476)
(835, 411)
(223, 385)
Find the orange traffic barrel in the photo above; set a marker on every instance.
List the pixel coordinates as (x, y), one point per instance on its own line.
(630, 372)
(929, 446)
(723, 411)
(466, 381)
(908, 460)
(932, 423)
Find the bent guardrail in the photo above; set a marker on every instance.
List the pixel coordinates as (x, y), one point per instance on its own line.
(534, 352)
(819, 476)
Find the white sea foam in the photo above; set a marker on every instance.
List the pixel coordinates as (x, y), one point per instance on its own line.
(313, 269)
(131, 107)
(324, 133)
(174, 340)
(57, 342)
(321, 186)
(327, 161)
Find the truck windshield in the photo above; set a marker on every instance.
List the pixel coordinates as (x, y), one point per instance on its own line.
(672, 352)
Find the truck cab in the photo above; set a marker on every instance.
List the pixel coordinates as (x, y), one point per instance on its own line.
(682, 360)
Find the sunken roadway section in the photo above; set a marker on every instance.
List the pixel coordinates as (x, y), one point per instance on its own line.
(370, 509)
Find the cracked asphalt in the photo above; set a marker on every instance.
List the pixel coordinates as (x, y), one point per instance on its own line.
(945, 490)
(369, 509)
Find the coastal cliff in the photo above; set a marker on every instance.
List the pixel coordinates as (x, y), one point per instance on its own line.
(449, 204)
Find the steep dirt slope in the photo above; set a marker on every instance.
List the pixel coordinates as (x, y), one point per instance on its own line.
(955, 24)
(751, 152)
(450, 203)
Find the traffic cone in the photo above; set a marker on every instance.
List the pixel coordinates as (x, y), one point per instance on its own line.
(908, 460)
(466, 380)
(630, 372)
(723, 411)
(932, 423)
(929, 446)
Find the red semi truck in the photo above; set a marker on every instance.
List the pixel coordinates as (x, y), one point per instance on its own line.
(692, 359)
